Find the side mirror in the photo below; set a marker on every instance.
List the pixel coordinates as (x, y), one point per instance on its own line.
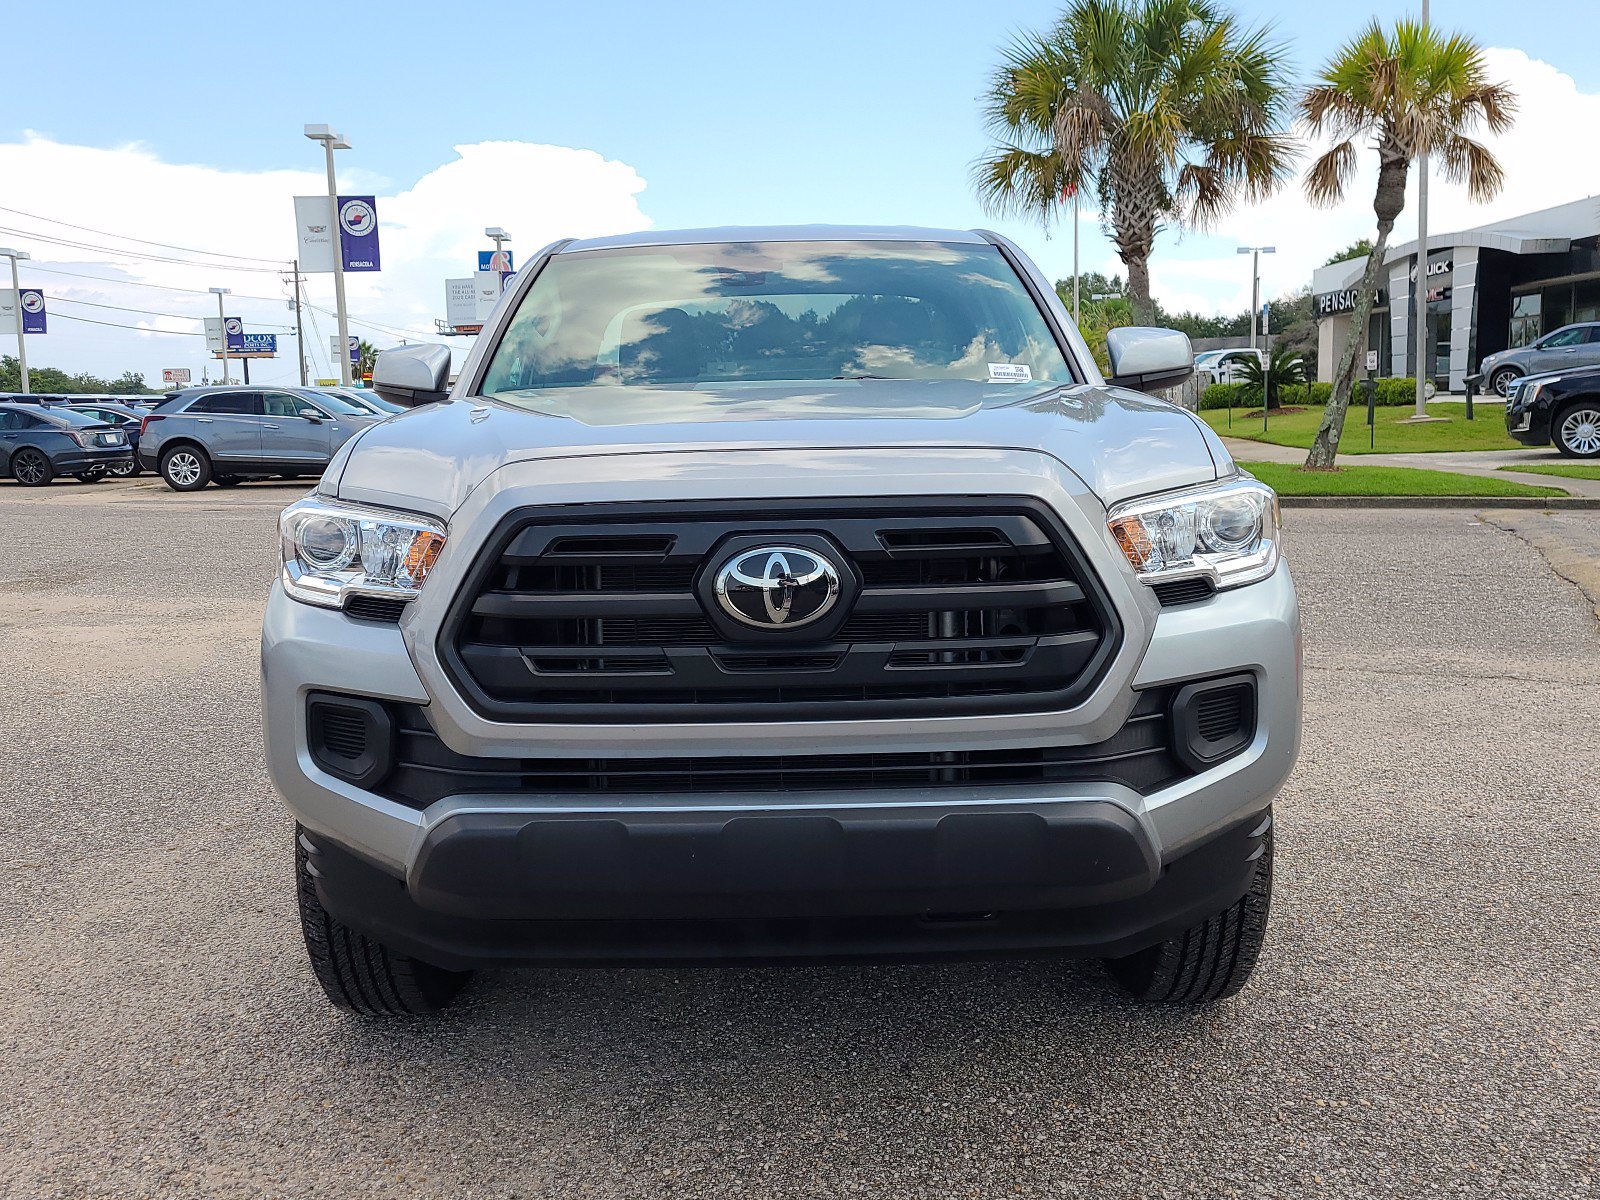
(1148, 360)
(412, 375)
(311, 415)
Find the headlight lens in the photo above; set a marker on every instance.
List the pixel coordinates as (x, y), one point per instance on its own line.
(1227, 532)
(332, 550)
(1531, 390)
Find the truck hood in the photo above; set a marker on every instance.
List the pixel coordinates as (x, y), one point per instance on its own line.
(1120, 443)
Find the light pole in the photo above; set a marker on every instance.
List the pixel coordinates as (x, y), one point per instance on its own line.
(1255, 253)
(16, 293)
(498, 236)
(1419, 290)
(222, 324)
(332, 141)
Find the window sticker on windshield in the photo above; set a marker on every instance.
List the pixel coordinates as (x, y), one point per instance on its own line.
(1010, 373)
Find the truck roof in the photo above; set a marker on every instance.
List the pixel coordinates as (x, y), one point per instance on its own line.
(777, 233)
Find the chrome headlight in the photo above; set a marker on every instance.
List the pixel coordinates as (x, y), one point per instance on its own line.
(1227, 532)
(1528, 392)
(332, 550)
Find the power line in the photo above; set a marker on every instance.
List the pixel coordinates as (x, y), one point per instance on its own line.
(389, 329)
(118, 325)
(162, 287)
(119, 252)
(142, 241)
(151, 313)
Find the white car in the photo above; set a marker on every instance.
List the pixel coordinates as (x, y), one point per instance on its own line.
(1224, 366)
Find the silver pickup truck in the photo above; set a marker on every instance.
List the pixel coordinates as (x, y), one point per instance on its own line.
(783, 593)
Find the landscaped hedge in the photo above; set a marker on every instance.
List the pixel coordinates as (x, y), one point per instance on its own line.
(1392, 393)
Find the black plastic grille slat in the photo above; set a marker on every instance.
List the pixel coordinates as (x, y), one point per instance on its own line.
(375, 608)
(1185, 591)
(1220, 714)
(1137, 756)
(965, 607)
(344, 733)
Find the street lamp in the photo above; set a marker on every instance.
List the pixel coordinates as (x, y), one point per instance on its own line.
(497, 235)
(332, 141)
(1255, 253)
(222, 326)
(16, 300)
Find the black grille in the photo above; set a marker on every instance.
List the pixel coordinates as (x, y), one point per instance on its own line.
(1138, 756)
(1185, 591)
(973, 607)
(344, 733)
(375, 608)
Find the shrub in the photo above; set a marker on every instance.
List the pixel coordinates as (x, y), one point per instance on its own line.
(1392, 393)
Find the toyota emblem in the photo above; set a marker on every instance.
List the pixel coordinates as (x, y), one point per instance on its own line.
(777, 587)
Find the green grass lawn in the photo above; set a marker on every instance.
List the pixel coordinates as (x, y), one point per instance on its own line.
(1572, 470)
(1486, 432)
(1290, 480)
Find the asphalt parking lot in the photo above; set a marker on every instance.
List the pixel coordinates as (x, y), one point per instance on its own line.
(1426, 1021)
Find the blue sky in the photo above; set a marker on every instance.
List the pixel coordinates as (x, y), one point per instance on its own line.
(728, 112)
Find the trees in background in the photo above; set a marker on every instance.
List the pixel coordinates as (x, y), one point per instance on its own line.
(46, 380)
(1406, 91)
(1167, 111)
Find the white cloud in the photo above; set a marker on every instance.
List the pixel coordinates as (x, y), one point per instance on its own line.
(430, 231)
(1543, 166)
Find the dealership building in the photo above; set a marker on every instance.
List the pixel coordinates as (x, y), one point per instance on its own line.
(1481, 290)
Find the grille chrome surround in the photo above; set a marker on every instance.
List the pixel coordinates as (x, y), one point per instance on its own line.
(958, 607)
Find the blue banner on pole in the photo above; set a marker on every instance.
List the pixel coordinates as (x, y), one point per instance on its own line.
(358, 233)
(31, 301)
(495, 260)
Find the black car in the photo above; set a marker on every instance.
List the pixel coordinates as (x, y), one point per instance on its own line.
(1561, 407)
(38, 443)
(125, 417)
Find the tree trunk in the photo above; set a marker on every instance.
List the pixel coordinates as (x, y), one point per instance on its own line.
(1134, 187)
(1387, 204)
(1144, 311)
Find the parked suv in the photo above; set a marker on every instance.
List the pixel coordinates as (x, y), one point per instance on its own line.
(224, 435)
(782, 593)
(1569, 346)
(38, 443)
(1561, 407)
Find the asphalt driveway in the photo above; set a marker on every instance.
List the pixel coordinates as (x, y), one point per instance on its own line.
(1426, 1022)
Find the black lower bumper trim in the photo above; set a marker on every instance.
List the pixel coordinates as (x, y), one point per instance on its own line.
(1007, 888)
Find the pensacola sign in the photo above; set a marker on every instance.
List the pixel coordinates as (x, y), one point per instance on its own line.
(357, 224)
(1344, 300)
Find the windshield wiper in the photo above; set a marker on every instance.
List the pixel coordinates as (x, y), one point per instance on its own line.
(869, 376)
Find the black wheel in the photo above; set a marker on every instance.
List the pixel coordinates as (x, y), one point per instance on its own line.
(1209, 961)
(227, 480)
(1500, 382)
(1577, 429)
(125, 470)
(186, 468)
(31, 468)
(360, 974)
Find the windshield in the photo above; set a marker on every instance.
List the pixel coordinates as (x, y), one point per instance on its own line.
(775, 312)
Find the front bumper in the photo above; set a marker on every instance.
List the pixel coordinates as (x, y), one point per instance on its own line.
(1076, 867)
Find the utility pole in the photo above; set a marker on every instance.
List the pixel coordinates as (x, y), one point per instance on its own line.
(299, 326)
(1255, 253)
(222, 322)
(1419, 290)
(498, 236)
(332, 141)
(16, 299)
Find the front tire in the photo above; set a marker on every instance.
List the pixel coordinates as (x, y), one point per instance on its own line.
(1577, 430)
(31, 468)
(1500, 382)
(1208, 961)
(359, 974)
(186, 468)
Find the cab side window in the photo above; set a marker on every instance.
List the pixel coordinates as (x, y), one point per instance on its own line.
(1563, 337)
(281, 404)
(228, 404)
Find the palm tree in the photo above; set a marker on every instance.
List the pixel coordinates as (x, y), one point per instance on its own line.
(1283, 367)
(366, 358)
(1168, 110)
(1409, 92)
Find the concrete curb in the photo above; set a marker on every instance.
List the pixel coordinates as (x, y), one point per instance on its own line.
(1545, 503)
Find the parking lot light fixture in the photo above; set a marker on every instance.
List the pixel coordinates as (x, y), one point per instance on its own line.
(332, 141)
(222, 321)
(16, 292)
(1255, 253)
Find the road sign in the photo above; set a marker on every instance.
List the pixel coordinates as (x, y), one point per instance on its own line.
(175, 375)
(1372, 360)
